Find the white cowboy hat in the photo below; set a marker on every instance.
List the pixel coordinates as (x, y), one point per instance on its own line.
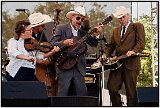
(121, 11)
(78, 10)
(37, 19)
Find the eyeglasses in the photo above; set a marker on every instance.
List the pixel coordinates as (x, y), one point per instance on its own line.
(122, 17)
(78, 18)
(30, 30)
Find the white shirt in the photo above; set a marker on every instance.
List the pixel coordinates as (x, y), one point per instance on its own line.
(36, 35)
(125, 28)
(74, 31)
(16, 48)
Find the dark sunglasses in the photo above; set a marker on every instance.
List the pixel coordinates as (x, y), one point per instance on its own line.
(78, 18)
(122, 17)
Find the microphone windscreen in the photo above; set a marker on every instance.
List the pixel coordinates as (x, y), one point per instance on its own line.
(85, 25)
(20, 9)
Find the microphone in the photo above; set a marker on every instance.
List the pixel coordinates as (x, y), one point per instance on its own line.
(103, 38)
(108, 44)
(85, 25)
(20, 9)
(25, 11)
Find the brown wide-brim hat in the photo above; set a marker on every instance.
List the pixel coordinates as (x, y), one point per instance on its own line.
(77, 11)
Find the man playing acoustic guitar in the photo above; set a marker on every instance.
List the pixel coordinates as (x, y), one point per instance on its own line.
(65, 36)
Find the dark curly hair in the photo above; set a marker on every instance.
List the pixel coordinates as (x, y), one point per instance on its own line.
(20, 27)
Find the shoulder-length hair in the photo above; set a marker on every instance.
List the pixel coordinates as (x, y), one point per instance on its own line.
(20, 28)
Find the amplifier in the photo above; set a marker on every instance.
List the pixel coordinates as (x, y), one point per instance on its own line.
(74, 101)
(90, 78)
(90, 61)
(148, 96)
(24, 94)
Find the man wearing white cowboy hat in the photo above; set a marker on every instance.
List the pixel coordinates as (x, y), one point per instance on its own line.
(38, 21)
(128, 39)
(65, 36)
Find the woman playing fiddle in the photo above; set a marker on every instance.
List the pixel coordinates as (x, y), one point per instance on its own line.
(22, 62)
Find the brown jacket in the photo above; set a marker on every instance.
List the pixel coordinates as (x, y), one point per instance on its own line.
(134, 40)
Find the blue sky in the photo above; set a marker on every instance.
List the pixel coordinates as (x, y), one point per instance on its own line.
(138, 8)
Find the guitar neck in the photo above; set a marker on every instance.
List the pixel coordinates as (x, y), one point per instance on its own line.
(133, 55)
(106, 21)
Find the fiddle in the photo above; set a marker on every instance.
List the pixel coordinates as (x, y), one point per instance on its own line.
(31, 44)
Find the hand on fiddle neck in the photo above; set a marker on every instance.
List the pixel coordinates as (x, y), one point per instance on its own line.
(54, 50)
(43, 62)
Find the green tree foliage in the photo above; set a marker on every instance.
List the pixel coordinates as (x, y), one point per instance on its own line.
(145, 75)
(96, 15)
(50, 8)
(8, 25)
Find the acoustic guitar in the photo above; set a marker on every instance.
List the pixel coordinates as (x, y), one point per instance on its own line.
(115, 62)
(70, 57)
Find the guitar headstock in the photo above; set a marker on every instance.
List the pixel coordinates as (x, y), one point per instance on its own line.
(143, 54)
(107, 20)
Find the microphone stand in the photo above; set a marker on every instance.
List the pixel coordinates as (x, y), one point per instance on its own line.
(101, 75)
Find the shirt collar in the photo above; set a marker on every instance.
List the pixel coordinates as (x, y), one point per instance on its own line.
(73, 27)
(127, 25)
(21, 39)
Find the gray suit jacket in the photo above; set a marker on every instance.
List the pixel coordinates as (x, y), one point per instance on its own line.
(64, 32)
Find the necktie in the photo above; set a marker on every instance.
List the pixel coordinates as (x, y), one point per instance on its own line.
(123, 31)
